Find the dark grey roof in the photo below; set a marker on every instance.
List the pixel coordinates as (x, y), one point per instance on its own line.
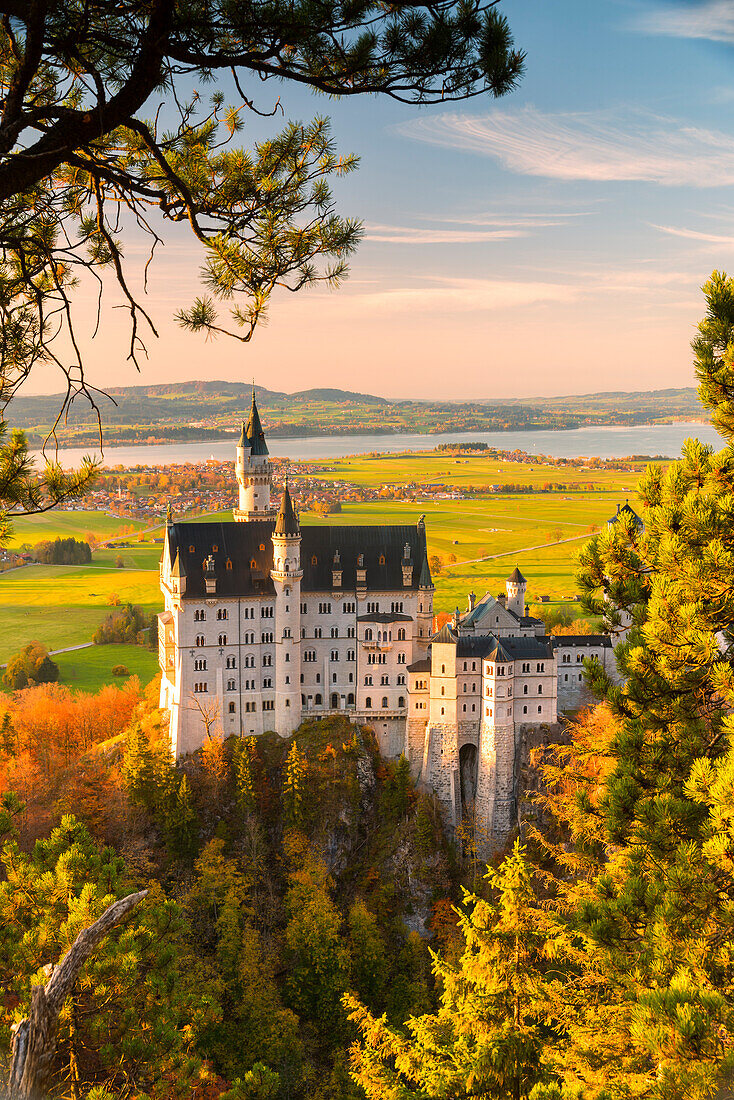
(287, 521)
(381, 549)
(560, 641)
(626, 510)
(504, 649)
(516, 577)
(424, 665)
(472, 646)
(385, 617)
(445, 634)
(254, 433)
(426, 581)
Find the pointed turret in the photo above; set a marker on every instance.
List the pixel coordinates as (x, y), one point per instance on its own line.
(287, 521)
(426, 580)
(253, 431)
(253, 469)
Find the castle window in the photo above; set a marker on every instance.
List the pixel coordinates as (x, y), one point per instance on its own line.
(230, 685)
(368, 681)
(253, 564)
(351, 655)
(335, 654)
(474, 666)
(199, 616)
(401, 680)
(566, 678)
(262, 545)
(579, 658)
(368, 635)
(232, 708)
(215, 549)
(368, 703)
(525, 689)
(360, 561)
(200, 640)
(464, 708)
(580, 677)
(382, 559)
(384, 702)
(350, 699)
(443, 668)
(229, 564)
(525, 710)
(540, 689)
(540, 710)
(222, 639)
(443, 691)
(314, 560)
(401, 701)
(540, 667)
(335, 631)
(318, 700)
(318, 677)
(401, 634)
(442, 712)
(222, 613)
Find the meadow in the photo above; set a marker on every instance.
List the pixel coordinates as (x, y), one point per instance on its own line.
(28, 530)
(90, 669)
(540, 532)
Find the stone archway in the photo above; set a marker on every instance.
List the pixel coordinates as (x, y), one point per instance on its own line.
(468, 773)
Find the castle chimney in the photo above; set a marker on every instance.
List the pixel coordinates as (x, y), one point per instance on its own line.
(472, 600)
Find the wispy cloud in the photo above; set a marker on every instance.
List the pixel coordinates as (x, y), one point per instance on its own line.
(695, 235)
(457, 295)
(397, 234)
(713, 19)
(599, 145)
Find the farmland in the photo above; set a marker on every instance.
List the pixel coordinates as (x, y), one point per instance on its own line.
(541, 531)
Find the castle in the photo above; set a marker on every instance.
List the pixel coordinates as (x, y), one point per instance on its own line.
(266, 623)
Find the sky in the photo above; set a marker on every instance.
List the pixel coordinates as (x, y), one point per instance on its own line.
(551, 242)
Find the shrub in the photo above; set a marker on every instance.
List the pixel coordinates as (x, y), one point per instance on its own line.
(120, 670)
(31, 666)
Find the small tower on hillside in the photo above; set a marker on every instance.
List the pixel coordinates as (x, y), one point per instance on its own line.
(286, 575)
(254, 470)
(516, 587)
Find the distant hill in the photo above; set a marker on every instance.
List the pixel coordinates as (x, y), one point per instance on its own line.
(213, 410)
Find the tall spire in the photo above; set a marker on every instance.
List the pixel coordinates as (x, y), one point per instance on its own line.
(255, 436)
(287, 521)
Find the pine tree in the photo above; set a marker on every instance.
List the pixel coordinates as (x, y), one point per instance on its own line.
(182, 823)
(242, 761)
(369, 967)
(133, 1021)
(497, 1007)
(294, 786)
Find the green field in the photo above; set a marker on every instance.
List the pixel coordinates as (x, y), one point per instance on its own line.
(90, 669)
(51, 525)
(63, 605)
(473, 472)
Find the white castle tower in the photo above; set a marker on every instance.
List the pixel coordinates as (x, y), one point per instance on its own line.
(254, 471)
(287, 575)
(516, 587)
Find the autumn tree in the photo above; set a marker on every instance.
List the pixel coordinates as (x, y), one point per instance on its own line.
(31, 665)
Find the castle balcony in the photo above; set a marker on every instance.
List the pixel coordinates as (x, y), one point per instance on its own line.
(373, 644)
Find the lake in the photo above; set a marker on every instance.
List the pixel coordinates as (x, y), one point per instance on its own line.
(607, 442)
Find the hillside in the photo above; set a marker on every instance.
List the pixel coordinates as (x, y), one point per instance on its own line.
(213, 410)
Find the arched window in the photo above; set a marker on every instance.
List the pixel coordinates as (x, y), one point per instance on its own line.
(540, 689)
(382, 559)
(350, 699)
(314, 560)
(318, 700)
(215, 549)
(401, 701)
(229, 566)
(401, 634)
(253, 564)
(525, 689)
(230, 685)
(200, 639)
(334, 701)
(232, 708)
(222, 639)
(368, 635)
(443, 668)
(262, 546)
(384, 702)
(368, 703)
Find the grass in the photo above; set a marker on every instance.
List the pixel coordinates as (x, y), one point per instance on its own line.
(91, 669)
(63, 605)
(56, 524)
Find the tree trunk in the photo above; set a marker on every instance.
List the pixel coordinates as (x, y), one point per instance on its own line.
(34, 1038)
